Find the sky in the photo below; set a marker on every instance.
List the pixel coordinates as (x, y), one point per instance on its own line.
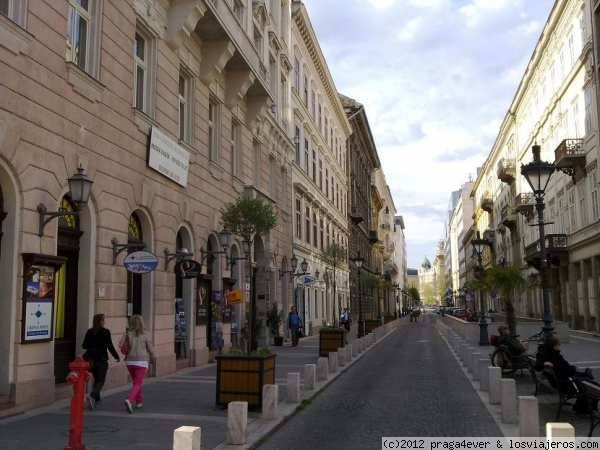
(436, 78)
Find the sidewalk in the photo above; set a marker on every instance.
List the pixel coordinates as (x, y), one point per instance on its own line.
(184, 398)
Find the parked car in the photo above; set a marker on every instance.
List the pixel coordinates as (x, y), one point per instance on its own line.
(461, 314)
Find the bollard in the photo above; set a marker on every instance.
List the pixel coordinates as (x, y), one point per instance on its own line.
(187, 438)
(237, 423)
(310, 376)
(529, 417)
(270, 401)
(77, 377)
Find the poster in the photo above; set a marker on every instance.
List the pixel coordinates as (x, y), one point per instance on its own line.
(39, 300)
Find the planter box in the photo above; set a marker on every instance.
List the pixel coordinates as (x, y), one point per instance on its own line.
(241, 379)
(330, 342)
(388, 319)
(371, 324)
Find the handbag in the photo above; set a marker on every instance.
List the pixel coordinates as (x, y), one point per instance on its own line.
(300, 333)
(124, 346)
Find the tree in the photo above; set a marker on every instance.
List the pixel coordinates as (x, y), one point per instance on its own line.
(334, 255)
(248, 217)
(414, 297)
(506, 280)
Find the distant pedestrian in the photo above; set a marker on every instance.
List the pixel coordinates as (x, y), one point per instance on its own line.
(294, 324)
(97, 343)
(349, 319)
(140, 354)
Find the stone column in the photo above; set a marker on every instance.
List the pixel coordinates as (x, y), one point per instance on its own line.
(529, 417)
(270, 401)
(293, 387)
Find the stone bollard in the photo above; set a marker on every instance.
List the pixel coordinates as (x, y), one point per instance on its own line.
(348, 353)
(293, 387)
(495, 375)
(529, 417)
(187, 438)
(484, 375)
(237, 422)
(270, 401)
(341, 357)
(508, 389)
(354, 347)
(333, 362)
(475, 357)
(310, 376)
(556, 431)
(468, 359)
(322, 368)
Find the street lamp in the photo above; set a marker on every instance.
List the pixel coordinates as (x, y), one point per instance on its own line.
(538, 173)
(361, 322)
(479, 244)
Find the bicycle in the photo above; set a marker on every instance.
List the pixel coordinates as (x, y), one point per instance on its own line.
(501, 357)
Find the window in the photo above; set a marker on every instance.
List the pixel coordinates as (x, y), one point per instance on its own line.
(314, 165)
(582, 204)
(588, 111)
(272, 177)
(144, 52)
(4, 7)
(256, 160)
(571, 50)
(315, 224)
(258, 40)
(305, 91)
(306, 152)
(239, 11)
(307, 224)
(313, 105)
(296, 74)
(320, 174)
(236, 154)
(78, 29)
(327, 182)
(593, 180)
(213, 136)
(571, 206)
(321, 232)
(284, 189)
(298, 219)
(297, 145)
(576, 118)
(561, 215)
(185, 108)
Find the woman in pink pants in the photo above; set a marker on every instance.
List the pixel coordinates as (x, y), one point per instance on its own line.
(137, 359)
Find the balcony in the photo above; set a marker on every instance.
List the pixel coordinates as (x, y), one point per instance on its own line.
(569, 157)
(487, 204)
(354, 216)
(524, 204)
(489, 235)
(506, 170)
(556, 251)
(508, 218)
(373, 239)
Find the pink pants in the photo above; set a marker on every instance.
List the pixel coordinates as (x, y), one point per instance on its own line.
(137, 375)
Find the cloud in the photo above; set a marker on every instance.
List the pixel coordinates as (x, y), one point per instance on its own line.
(436, 78)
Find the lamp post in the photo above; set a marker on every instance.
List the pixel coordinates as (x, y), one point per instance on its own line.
(361, 322)
(538, 173)
(478, 244)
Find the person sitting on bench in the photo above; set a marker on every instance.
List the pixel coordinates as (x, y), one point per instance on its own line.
(515, 347)
(549, 355)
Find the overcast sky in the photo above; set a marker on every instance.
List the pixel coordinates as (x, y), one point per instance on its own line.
(436, 78)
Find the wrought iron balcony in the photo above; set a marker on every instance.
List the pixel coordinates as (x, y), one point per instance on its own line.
(570, 156)
(556, 251)
(524, 204)
(506, 170)
(373, 239)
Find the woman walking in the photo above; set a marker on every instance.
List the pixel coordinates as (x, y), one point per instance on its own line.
(137, 358)
(97, 343)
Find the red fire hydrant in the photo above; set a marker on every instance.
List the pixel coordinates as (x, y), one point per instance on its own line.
(77, 377)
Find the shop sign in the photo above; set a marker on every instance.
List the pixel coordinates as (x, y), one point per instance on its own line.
(188, 268)
(307, 280)
(168, 158)
(140, 262)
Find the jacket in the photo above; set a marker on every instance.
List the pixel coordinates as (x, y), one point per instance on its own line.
(140, 347)
(97, 345)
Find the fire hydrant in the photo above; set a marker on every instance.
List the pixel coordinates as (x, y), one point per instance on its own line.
(77, 377)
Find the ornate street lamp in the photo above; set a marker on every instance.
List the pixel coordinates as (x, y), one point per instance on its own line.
(361, 322)
(479, 244)
(538, 173)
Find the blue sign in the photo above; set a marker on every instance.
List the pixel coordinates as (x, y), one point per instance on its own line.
(307, 280)
(140, 262)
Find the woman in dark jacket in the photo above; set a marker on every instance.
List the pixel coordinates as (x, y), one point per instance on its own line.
(97, 343)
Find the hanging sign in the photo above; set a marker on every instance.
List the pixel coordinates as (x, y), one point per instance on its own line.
(188, 268)
(234, 296)
(140, 262)
(307, 280)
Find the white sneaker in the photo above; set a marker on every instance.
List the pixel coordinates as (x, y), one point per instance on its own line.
(139, 405)
(91, 402)
(128, 406)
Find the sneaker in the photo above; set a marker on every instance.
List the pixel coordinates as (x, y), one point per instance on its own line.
(91, 402)
(139, 405)
(128, 406)
(98, 403)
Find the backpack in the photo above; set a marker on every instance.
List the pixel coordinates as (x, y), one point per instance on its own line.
(494, 340)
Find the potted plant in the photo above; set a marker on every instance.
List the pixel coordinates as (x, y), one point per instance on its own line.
(241, 376)
(274, 321)
(330, 339)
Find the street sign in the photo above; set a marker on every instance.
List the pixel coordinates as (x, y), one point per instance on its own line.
(140, 262)
(307, 280)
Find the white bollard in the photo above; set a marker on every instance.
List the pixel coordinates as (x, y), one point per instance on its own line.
(475, 357)
(187, 438)
(348, 353)
(322, 368)
(310, 376)
(341, 357)
(293, 387)
(484, 375)
(529, 416)
(354, 346)
(237, 423)
(509, 401)
(270, 401)
(495, 375)
(558, 431)
(333, 362)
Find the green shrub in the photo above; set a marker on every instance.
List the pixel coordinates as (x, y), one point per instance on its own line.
(332, 330)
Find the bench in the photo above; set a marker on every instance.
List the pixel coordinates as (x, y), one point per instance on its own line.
(501, 357)
(592, 391)
(550, 381)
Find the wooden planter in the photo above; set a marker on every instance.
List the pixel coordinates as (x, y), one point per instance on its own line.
(330, 342)
(241, 378)
(388, 319)
(371, 324)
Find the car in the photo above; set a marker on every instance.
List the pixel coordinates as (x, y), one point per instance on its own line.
(461, 314)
